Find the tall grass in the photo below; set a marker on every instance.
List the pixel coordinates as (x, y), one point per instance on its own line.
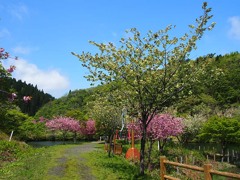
(22, 162)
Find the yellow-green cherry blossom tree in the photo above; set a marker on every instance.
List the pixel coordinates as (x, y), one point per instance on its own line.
(149, 73)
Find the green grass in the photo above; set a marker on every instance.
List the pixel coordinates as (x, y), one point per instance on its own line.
(115, 167)
(28, 163)
(68, 162)
(38, 163)
(22, 162)
(3, 136)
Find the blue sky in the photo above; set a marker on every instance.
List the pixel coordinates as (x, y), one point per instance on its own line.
(43, 33)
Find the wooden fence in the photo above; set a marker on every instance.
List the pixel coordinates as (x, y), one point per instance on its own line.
(116, 148)
(206, 169)
(229, 156)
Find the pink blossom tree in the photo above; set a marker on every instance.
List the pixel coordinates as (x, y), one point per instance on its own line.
(136, 127)
(5, 73)
(90, 128)
(160, 128)
(64, 124)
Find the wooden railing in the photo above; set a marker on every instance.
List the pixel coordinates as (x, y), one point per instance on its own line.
(206, 169)
(117, 148)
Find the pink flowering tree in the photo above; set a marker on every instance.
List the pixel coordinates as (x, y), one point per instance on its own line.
(90, 129)
(136, 127)
(65, 125)
(6, 73)
(160, 128)
(8, 95)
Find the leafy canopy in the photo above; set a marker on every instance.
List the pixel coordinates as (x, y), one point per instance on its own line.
(150, 71)
(221, 130)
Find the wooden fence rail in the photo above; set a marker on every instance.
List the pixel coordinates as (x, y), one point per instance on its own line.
(206, 169)
(116, 148)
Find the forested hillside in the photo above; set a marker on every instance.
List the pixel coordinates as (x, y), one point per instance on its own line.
(217, 89)
(73, 104)
(213, 92)
(216, 92)
(16, 113)
(39, 98)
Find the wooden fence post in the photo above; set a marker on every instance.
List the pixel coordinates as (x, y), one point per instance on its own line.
(207, 174)
(162, 167)
(176, 159)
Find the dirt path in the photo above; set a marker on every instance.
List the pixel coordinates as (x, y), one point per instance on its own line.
(71, 165)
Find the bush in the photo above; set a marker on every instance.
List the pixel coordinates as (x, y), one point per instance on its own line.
(10, 151)
(3, 136)
(178, 151)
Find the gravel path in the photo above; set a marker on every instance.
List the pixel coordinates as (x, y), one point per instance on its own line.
(71, 161)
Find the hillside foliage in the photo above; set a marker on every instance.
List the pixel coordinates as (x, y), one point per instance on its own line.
(39, 97)
(218, 95)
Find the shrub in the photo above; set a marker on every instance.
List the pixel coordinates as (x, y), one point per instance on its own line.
(11, 150)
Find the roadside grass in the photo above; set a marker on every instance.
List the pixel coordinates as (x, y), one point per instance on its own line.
(22, 162)
(114, 167)
(29, 163)
(3, 136)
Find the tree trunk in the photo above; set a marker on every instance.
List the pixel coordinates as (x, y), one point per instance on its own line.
(150, 152)
(142, 150)
(224, 148)
(110, 145)
(64, 136)
(161, 145)
(75, 137)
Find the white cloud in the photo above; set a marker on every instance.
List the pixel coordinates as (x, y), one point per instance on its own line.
(23, 50)
(234, 31)
(50, 81)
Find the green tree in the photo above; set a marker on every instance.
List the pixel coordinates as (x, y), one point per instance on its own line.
(192, 126)
(107, 117)
(150, 73)
(33, 130)
(11, 120)
(76, 114)
(221, 130)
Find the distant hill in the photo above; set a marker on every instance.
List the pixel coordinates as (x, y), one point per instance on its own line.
(213, 92)
(39, 98)
(73, 104)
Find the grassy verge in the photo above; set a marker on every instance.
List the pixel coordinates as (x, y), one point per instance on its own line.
(20, 161)
(113, 168)
(23, 162)
(28, 164)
